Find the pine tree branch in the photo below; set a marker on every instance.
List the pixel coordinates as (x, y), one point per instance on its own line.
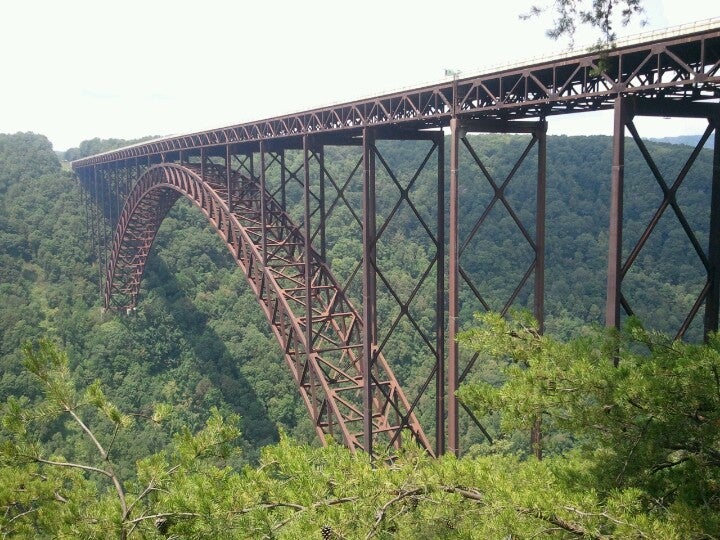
(382, 511)
(72, 466)
(87, 431)
(21, 514)
(109, 472)
(573, 528)
(112, 441)
(606, 516)
(639, 438)
(149, 489)
(668, 464)
(465, 492)
(163, 515)
(298, 508)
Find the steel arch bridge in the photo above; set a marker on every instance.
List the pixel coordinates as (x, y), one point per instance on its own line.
(318, 329)
(243, 180)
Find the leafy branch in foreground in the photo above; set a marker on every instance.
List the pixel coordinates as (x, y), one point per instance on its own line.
(21, 426)
(652, 423)
(188, 491)
(602, 15)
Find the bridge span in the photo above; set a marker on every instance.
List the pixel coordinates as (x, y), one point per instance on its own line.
(268, 189)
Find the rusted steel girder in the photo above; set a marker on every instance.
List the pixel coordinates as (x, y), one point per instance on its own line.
(318, 329)
(667, 76)
(457, 245)
(626, 109)
(712, 307)
(685, 67)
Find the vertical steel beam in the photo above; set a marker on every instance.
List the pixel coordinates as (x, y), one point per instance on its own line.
(308, 236)
(712, 304)
(228, 174)
(539, 290)
(369, 284)
(263, 206)
(539, 305)
(137, 173)
(116, 194)
(83, 197)
(96, 227)
(128, 181)
(283, 182)
(103, 223)
(614, 274)
(453, 281)
(440, 301)
(320, 154)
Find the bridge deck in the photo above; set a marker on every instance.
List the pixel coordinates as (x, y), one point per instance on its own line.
(676, 68)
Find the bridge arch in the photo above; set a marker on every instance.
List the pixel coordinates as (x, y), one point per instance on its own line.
(323, 351)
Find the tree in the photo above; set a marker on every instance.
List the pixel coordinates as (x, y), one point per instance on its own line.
(297, 491)
(652, 424)
(603, 15)
(67, 497)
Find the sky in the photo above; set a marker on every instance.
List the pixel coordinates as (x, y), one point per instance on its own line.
(78, 69)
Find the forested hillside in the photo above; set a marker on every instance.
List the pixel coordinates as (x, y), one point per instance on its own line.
(199, 341)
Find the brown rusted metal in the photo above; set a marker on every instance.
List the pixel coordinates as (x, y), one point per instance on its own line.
(614, 274)
(368, 284)
(453, 281)
(322, 349)
(680, 68)
(440, 309)
(540, 192)
(539, 288)
(459, 277)
(712, 307)
(336, 357)
(626, 109)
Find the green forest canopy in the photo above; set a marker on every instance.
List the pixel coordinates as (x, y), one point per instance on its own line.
(199, 342)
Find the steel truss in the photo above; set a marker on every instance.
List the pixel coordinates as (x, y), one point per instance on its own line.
(626, 109)
(269, 191)
(680, 67)
(457, 245)
(320, 332)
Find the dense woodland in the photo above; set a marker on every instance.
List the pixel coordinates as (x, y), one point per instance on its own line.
(187, 424)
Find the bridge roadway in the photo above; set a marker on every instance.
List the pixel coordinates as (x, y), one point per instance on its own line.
(682, 68)
(128, 192)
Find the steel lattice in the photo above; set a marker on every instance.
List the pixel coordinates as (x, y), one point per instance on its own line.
(327, 370)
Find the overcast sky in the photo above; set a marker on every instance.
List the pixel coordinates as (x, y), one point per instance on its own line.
(78, 69)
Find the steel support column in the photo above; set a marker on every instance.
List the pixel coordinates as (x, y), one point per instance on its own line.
(712, 303)
(97, 236)
(614, 273)
(539, 293)
(320, 156)
(307, 256)
(457, 245)
(228, 177)
(283, 182)
(263, 206)
(440, 400)
(539, 290)
(307, 260)
(626, 109)
(368, 285)
(453, 282)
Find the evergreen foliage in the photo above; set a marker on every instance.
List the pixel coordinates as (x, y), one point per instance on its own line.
(200, 342)
(615, 484)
